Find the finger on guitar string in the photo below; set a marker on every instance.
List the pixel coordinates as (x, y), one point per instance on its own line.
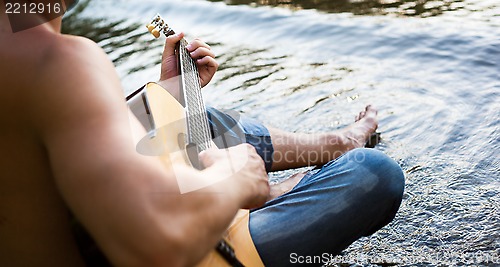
(201, 52)
(196, 43)
(209, 61)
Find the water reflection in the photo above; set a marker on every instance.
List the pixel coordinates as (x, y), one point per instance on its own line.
(263, 67)
(422, 8)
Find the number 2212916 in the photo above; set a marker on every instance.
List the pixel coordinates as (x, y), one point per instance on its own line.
(32, 8)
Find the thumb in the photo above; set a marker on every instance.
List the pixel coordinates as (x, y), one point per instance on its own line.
(208, 157)
(170, 44)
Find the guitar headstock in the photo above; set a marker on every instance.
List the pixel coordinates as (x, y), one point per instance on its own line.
(158, 25)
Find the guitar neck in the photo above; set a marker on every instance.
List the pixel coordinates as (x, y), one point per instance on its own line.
(190, 88)
(196, 114)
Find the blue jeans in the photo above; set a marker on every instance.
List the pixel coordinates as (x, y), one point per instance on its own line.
(352, 196)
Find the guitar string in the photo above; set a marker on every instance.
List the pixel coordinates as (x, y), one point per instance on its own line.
(198, 111)
(197, 115)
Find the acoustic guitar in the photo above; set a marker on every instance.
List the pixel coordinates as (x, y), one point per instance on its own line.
(177, 130)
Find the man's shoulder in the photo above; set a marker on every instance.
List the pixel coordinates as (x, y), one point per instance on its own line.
(78, 46)
(77, 68)
(35, 60)
(74, 52)
(33, 56)
(73, 60)
(62, 62)
(51, 72)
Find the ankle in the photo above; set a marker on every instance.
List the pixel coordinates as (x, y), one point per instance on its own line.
(351, 139)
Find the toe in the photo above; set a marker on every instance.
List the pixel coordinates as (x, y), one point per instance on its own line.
(371, 108)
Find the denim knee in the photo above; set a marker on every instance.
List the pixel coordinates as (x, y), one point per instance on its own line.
(390, 178)
(387, 182)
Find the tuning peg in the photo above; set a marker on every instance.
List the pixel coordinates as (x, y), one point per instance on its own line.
(155, 32)
(150, 27)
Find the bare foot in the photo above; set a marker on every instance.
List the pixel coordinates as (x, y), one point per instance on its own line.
(365, 125)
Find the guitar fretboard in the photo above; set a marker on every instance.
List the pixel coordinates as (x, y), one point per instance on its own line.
(198, 129)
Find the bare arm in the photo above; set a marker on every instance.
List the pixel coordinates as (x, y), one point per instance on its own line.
(128, 202)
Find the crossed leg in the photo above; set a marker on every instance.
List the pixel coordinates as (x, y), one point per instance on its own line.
(355, 192)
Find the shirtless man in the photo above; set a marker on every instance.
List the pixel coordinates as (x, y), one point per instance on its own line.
(66, 145)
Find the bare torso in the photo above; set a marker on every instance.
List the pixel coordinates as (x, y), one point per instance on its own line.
(34, 221)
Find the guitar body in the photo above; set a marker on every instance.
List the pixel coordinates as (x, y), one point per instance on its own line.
(167, 138)
(155, 106)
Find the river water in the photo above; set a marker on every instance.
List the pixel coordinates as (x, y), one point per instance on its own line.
(431, 67)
